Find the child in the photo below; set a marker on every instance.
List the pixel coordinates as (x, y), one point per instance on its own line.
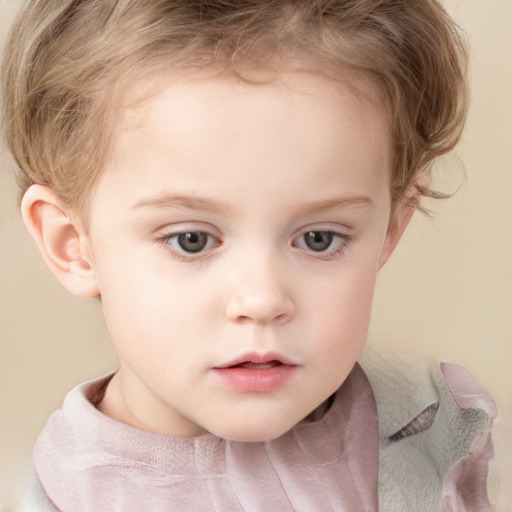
(228, 178)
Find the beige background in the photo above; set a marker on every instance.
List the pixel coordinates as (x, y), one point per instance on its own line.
(447, 291)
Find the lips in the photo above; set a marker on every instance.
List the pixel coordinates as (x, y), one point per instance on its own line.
(258, 366)
(256, 373)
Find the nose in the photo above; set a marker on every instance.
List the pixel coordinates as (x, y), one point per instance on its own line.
(260, 295)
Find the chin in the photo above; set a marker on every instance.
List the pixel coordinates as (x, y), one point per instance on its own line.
(254, 432)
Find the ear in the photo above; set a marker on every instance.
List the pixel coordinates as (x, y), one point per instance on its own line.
(402, 214)
(64, 246)
(399, 220)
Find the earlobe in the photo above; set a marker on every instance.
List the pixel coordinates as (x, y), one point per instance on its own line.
(62, 243)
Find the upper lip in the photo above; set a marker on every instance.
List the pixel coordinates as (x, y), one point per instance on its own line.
(255, 357)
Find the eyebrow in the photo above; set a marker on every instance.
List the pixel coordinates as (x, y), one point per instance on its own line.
(334, 203)
(182, 201)
(208, 205)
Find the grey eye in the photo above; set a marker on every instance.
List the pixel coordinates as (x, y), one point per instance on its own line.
(192, 242)
(318, 240)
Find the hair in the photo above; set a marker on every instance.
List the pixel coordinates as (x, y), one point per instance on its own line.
(67, 64)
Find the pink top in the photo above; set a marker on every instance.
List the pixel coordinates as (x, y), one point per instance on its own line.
(86, 461)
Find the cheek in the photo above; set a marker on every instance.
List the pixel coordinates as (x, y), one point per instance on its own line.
(341, 313)
(149, 309)
(347, 296)
(134, 301)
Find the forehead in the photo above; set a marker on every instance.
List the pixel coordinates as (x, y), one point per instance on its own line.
(346, 84)
(210, 127)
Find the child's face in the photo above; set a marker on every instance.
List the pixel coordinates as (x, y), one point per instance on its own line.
(240, 223)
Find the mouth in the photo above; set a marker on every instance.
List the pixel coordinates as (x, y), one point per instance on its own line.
(256, 360)
(256, 373)
(258, 366)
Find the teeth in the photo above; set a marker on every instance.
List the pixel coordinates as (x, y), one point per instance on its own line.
(259, 366)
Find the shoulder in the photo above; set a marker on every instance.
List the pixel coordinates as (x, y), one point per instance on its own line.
(434, 435)
(32, 498)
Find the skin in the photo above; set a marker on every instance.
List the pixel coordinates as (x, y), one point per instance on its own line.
(253, 169)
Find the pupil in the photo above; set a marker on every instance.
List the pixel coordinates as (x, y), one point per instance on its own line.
(192, 242)
(318, 240)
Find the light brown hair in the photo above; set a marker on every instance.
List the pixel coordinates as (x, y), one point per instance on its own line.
(67, 63)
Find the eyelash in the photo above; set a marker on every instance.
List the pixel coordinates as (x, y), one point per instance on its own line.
(168, 240)
(181, 254)
(343, 242)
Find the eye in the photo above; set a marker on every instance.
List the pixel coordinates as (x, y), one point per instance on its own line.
(194, 241)
(326, 243)
(318, 240)
(189, 243)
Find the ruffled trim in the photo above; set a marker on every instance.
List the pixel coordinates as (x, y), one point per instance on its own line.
(434, 429)
(465, 484)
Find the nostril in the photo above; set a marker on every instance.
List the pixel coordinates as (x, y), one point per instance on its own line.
(283, 317)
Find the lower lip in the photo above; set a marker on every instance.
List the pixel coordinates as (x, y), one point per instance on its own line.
(250, 380)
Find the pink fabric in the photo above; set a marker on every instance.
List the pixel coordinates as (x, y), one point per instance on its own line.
(86, 461)
(466, 482)
(89, 462)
